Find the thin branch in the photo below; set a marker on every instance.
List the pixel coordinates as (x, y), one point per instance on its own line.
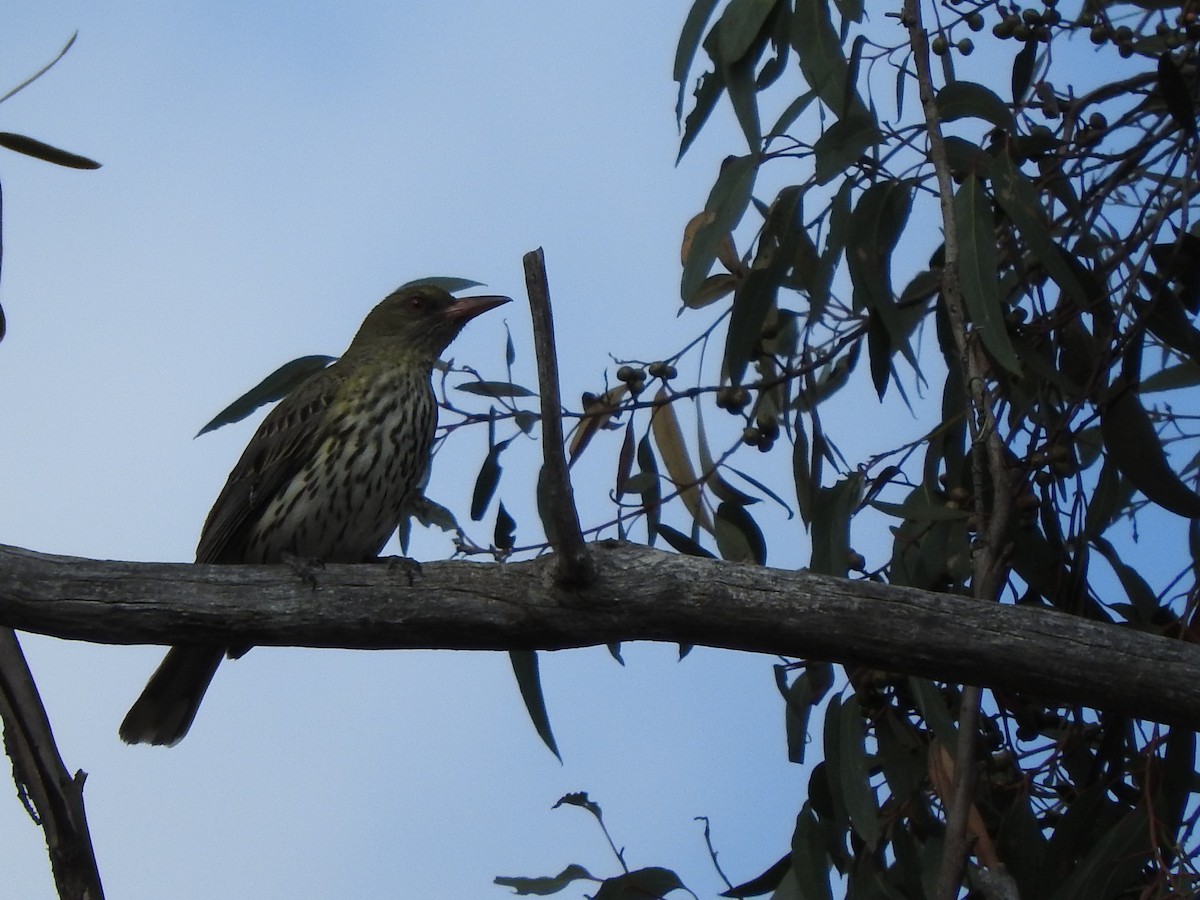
(575, 567)
(43, 780)
(989, 569)
(639, 594)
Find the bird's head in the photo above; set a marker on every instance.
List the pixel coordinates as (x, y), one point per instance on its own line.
(420, 320)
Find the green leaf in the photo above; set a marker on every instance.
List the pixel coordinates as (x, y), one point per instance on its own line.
(486, 481)
(1019, 200)
(278, 384)
(668, 437)
(495, 389)
(760, 884)
(793, 111)
(708, 91)
(875, 228)
(861, 803)
(640, 884)
(28, 146)
(831, 526)
(802, 473)
(822, 60)
(545, 886)
(1022, 70)
(843, 144)
(1135, 448)
(681, 543)
(738, 537)
(1177, 377)
(727, 202)
(740, 24)
(932, 705)
(525, 667)
(743, 97)
(810, 862)
(689, 42)
(506, 529)
(755, 297)
(447, 283)
(966, 99)
(800, 698)
(1112, 863)
(652, 493)
(977, 271)
(1178, 96)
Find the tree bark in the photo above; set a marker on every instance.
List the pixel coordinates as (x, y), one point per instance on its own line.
(638, 594)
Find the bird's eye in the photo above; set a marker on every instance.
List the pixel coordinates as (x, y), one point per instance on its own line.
(416, 302)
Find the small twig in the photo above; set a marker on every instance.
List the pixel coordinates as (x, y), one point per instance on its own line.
(575, 564)
(42, 779)
(712, 852)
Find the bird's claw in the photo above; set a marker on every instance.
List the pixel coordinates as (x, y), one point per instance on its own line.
(305, 567)
(409, 566)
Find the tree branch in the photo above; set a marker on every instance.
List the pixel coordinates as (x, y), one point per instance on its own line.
(638, 594)
(561, 517)
(52, 796)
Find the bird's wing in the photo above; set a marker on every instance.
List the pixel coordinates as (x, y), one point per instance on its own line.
(287, 437)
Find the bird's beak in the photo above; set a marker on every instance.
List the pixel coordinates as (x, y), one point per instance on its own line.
(464, 309)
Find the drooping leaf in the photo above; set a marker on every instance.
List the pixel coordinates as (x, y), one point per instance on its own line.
(727, 202)
(966, 99)
(761, 884)
(712, 474)
(752, 302)
(278, 384)
(831, 526)
(801, 697)
(486, 481)
(525, 668)
(681, 543)
(689, 42)
(861, 803)
(546, 885)
(810, 862)
(743, 97)
(793, 111)
(1136, 449)
(1022, 70)
(738, 536)
(757, 293)
(597, 413)
(822, 60)
(977, 271)
(506, 529)
(668, 436)
(740, 25)
(651, 493)
(843, 143)
(1176, 94)
(1019, 200)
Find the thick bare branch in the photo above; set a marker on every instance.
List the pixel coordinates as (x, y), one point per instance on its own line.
(638, 594)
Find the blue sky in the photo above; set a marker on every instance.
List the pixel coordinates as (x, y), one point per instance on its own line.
(268, 175)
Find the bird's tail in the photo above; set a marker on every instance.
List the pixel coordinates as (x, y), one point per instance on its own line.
(164, 712)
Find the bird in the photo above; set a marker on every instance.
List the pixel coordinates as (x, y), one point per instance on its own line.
(326, 477)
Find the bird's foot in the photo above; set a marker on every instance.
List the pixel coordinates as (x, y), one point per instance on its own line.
(305, 567)
(409, 566)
